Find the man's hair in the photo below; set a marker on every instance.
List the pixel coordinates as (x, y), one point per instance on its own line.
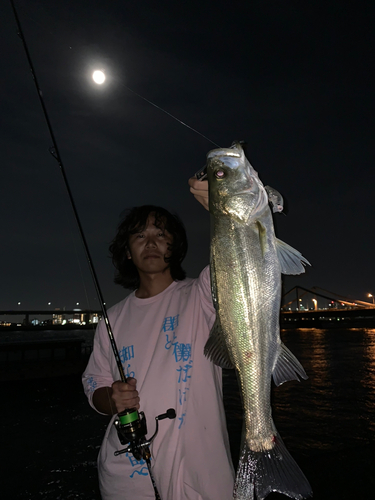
(135, 221)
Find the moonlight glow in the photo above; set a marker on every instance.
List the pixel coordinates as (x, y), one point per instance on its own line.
(98, 77)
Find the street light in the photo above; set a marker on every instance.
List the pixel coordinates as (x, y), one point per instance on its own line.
(315, 304)
(370, 295)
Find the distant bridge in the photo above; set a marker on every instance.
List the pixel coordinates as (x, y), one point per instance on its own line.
(335, 298)
(342, 312)
(329, 318)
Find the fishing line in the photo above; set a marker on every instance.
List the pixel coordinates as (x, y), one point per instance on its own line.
(149, 101)
(169, 114)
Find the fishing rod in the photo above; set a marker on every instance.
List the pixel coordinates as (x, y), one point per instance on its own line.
(130, 425)
(55, 153)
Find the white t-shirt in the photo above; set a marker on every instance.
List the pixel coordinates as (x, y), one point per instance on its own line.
(160, 342)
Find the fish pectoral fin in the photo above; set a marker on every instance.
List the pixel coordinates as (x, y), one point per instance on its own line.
(215, 349)
(262, 232)
(291, 260)
(287, 367)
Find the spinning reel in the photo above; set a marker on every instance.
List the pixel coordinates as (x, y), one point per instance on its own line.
(131, 428)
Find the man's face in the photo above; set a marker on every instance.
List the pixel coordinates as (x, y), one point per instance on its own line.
(149, 247)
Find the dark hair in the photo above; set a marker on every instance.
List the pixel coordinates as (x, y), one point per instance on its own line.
(136, 220)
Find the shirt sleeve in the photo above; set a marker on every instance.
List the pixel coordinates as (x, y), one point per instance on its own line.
(98, 371)
(204, 287)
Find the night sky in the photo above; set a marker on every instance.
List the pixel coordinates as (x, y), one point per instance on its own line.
(294, 79)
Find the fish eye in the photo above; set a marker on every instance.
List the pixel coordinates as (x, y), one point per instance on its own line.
(220, 174)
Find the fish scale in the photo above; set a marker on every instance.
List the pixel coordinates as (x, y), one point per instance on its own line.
(246, 289)
(248, 317)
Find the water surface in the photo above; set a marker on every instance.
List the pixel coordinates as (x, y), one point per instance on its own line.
(51, 436)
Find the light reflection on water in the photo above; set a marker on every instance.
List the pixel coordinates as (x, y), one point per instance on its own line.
(368, 381)
(334, 408)
(335, 398)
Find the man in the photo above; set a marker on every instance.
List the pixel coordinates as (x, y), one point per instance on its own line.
(160, 331)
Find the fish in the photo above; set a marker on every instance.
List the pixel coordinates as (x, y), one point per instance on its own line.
(246, 263)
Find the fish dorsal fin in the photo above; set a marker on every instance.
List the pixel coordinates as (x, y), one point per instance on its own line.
(291, 260)
(215, 349)
(287, 367)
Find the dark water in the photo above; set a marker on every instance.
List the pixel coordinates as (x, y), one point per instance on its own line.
(328, 421)
(50, 437)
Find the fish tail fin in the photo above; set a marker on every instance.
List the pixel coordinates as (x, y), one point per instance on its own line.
(262, 472)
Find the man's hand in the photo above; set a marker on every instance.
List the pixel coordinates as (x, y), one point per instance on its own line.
(125, 394)
(199, 190)
(112, 400)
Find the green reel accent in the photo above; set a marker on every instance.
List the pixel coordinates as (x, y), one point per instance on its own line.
(128, 418)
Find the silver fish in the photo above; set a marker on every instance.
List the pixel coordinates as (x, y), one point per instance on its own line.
(246, 265)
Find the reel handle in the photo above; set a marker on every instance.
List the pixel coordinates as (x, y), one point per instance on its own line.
(168, 414)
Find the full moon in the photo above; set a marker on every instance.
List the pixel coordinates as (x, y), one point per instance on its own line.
(98, 77)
